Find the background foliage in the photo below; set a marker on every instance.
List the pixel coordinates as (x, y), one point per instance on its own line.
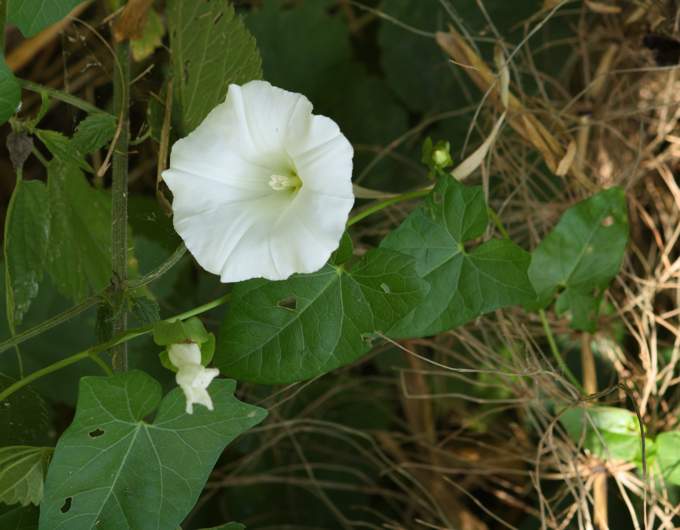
(502, 349)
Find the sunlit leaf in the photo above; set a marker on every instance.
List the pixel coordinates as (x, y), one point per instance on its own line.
(581, 255)
(278, 332)
(464, 284)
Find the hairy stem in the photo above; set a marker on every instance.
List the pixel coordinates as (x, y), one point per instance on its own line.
(92, 352)
(119, 191)
(59, 95)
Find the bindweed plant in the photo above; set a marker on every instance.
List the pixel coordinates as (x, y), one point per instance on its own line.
(265, 200)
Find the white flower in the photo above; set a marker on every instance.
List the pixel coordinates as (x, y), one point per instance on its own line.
(192, 377)
(262, 188)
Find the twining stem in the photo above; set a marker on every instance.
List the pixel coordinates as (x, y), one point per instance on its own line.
(94, 351)
(91, 302)
(119, 193)
(381, 205)
(59, 95)
(556, 352)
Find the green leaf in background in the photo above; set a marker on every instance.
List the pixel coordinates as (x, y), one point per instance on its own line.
(114, 471)
(34, 15)
(10, 92)
(228, 526)
(152, 37)
(22, 473)
(20, 518)
(211, 48)
(668, 455)
(23, 416)
(325, 46)
(61, 148)
(79, 254)
(280, 332)
(464, 284)
(27, 230)
(93, 133)
(607, 432)
(581, 256)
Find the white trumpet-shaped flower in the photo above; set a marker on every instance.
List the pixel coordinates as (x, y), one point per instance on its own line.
(261, 188)
(192, 377)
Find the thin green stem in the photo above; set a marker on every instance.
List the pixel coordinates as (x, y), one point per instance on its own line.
(164, 267)
(90, 302)
(91, 353)
(556, 352)
(59, 95)
(381, 205)
(499, 224)
(119, 193)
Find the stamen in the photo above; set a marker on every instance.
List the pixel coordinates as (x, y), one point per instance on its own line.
(285, 182)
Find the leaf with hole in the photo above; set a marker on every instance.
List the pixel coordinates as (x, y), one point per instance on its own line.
(27, 230)
(34, 15)
(10, 92)
(211, 48)
(279, 332)
(114, 470)
(79, 255)
(464, 284)
(581, 256)
(22, 473)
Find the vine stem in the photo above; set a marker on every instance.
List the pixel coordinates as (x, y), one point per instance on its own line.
(59, 95)
(119, 196)
(381, 205)
(556, 352)
(91, 302)
(94, 351)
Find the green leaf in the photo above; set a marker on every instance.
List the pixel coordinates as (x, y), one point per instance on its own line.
(114, 471)
(668, 455)
(62, 149)
(20, 518)
(581, 256)
(280, 332)
(464, 284)
(145, 310)
(34, 15)
(152, 37)
(211, 48)
(79, 256)
(23, 416)
(228, 526)
(27, 232)
(93, 133)
(192, 330)
(22, 473)
(325, 46)
(10, 92)
(607, 432)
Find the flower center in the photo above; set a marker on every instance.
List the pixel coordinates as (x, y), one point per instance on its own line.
(285, 182)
